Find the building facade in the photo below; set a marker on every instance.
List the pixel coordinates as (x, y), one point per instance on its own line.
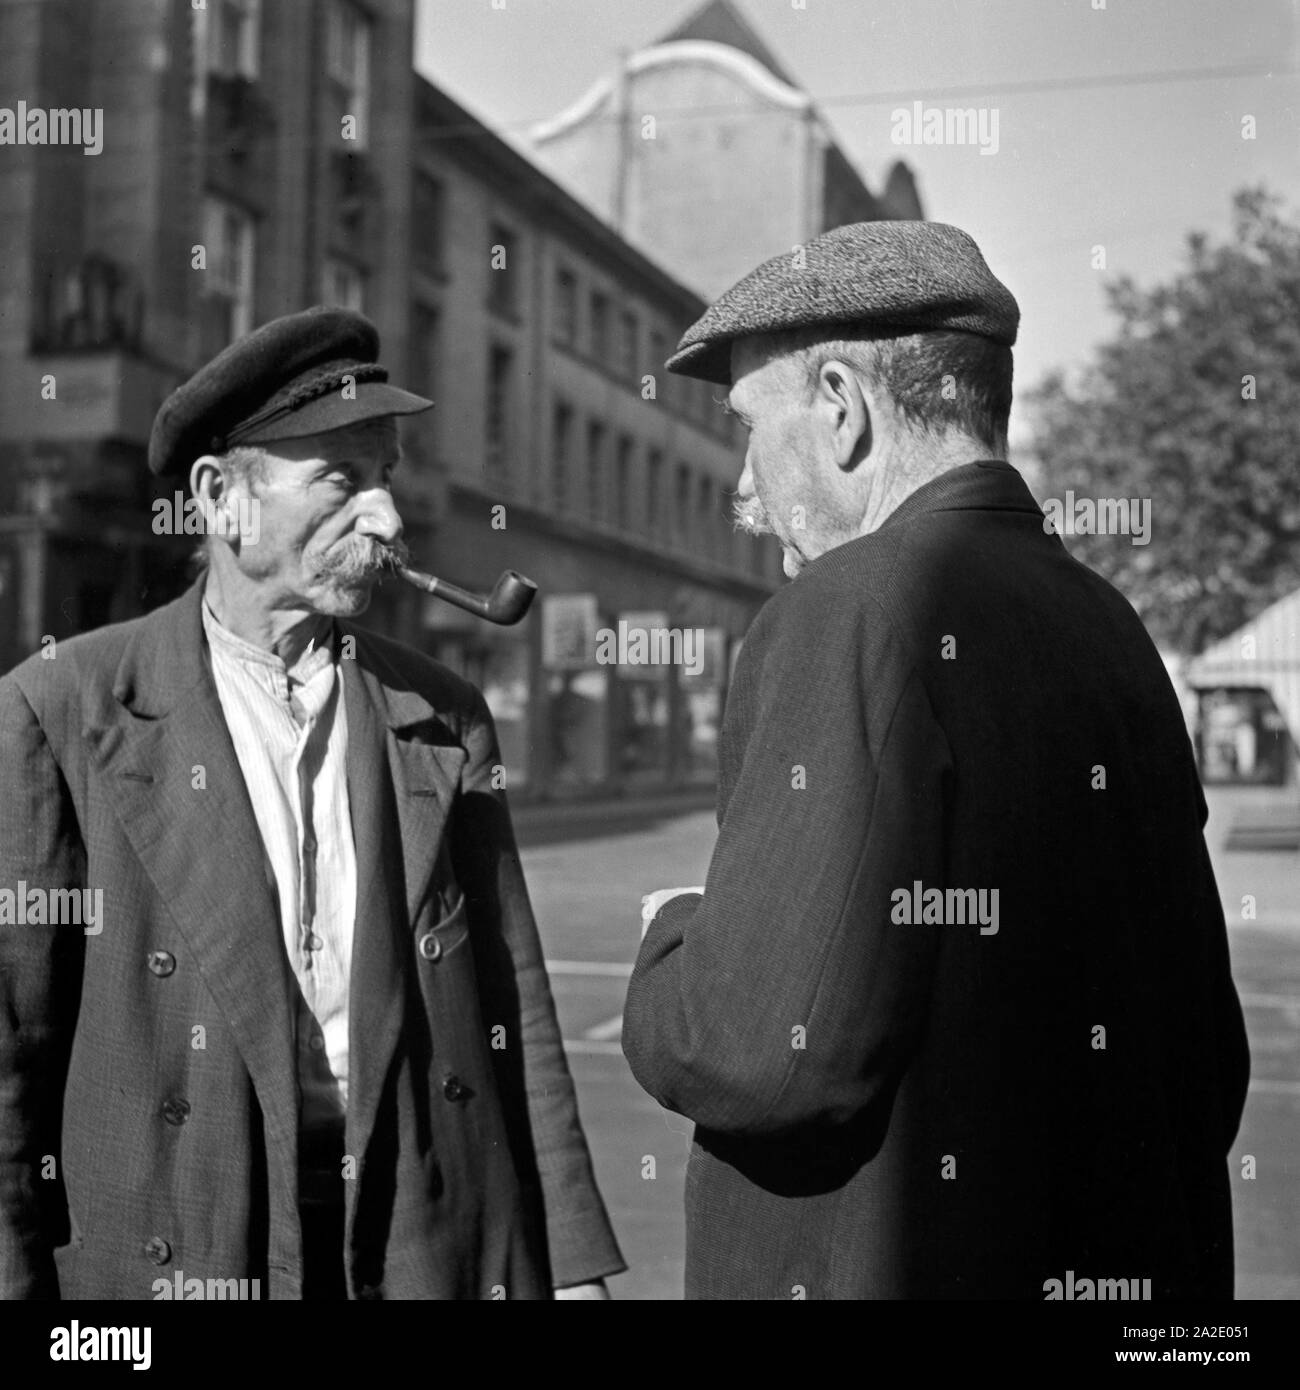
(239, 177)
(563, 450)
(258, 158)
(703, 151)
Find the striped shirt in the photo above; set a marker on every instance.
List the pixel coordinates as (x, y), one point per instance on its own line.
(289, 728)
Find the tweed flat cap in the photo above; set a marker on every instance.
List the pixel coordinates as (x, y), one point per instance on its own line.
(889, 277)
(282, 381)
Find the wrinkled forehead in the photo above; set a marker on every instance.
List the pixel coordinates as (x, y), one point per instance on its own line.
(760, 370)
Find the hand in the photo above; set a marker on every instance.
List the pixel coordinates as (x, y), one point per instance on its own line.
(596, 1290)
(652, 902)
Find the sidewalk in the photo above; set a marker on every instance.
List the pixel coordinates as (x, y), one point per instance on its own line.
(551, 822)
(1271, 877)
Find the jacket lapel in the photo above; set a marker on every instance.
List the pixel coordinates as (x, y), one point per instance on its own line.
(203, 852)
(200, 845)
(399, 802)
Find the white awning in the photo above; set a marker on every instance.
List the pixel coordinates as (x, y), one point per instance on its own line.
(1265, 653)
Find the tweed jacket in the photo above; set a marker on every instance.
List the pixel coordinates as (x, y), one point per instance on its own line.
(148, 1094)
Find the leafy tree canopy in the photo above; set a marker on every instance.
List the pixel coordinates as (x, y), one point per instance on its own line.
(1194, 405)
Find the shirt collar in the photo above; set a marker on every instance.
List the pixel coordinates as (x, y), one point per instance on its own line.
(318, 655)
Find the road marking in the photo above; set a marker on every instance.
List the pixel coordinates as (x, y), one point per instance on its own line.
(1277, 1088)
(603, 1032)
(1270, 1001)
(613, 969)
(599, 1047)
(588, 1048)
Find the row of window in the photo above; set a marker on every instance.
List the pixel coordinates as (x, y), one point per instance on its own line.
(595, 474)
(228, 41)
(610, 336)
(229, 240)
(593, 469)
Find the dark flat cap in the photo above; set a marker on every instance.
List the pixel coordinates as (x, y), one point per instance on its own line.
(889, 278)
(306, 373)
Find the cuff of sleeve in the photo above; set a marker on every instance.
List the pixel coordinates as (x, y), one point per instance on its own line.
(585, 1251)
(676, 912)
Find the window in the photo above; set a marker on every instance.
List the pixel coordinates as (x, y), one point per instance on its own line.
(343, 284)
(623, 482)
(682, 505)
(654, 490)
(758, 557)
(347, 61)
(595, 468)
(425, 327)
(501, 370)
(627, 342)
(428, 223)
(561, 449)
(600, 326)
(227, 295)
(708, 520)
(704, 402)
(503, 271)
(658, 355)
(232, 37)
(566, 307)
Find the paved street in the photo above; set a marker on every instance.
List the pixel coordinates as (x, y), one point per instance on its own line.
(587, 891)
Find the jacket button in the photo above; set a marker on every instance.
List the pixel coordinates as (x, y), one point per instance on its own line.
(175, 1111)
(158, 1250)
(162, 962)
(430, 947)
(454, 1088)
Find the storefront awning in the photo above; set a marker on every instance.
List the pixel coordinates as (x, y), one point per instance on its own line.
(1264, 653)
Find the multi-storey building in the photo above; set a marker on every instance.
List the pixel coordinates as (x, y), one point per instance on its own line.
(704, 151)
(563, 450)
(258, 158)
(240, 177)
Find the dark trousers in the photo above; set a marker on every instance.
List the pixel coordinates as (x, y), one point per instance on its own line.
(320, 1212)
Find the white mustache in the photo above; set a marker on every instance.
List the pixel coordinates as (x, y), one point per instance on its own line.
(362, 558)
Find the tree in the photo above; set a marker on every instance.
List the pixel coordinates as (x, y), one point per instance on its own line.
(1195, 405)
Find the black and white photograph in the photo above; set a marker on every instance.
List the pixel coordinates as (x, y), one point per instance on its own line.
(650, 652)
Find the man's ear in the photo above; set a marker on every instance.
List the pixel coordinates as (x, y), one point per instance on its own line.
(206, 480)
(846, 413)
(208, 485)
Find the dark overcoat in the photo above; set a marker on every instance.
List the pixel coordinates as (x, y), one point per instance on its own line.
(972, 1104)
(148, 1093)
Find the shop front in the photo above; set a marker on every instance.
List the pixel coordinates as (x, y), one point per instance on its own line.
(615, 682)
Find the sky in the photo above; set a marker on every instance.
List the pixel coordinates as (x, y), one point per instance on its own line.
(1086, 156)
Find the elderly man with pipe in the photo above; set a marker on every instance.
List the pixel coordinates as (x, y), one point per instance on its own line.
(310, 1042)
(953, 1014)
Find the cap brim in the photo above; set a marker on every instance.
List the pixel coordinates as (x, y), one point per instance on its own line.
(373, 400)
(704, 361)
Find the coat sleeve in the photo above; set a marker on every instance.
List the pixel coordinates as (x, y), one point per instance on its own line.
(786, 997)
(40, 984)
(514, 985)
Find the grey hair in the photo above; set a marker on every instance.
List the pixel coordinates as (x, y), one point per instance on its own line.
(939, 382)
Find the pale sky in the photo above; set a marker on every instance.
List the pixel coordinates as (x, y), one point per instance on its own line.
(1132, 167)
